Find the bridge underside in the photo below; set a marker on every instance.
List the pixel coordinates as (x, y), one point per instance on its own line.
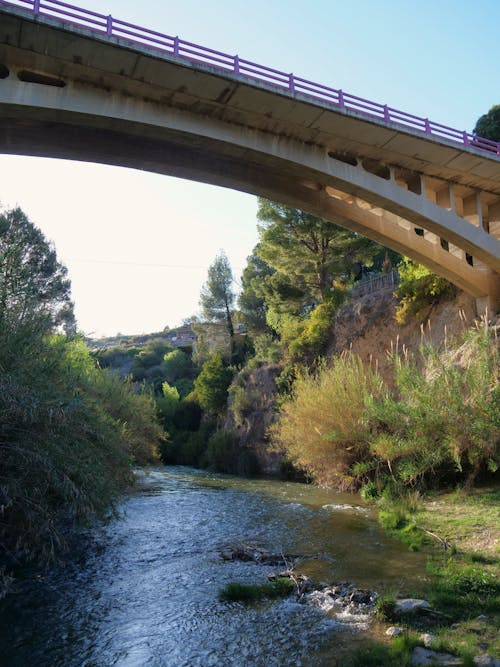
(57, 106)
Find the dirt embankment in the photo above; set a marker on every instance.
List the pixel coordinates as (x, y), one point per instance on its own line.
(368, 327)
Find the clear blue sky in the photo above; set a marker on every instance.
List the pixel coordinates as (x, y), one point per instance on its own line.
(115, 227)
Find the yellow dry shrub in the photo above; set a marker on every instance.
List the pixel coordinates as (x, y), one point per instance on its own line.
(323, 427)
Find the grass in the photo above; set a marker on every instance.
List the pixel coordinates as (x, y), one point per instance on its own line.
(237, 592)
(471, 522)
(462, 583)
(395, 654)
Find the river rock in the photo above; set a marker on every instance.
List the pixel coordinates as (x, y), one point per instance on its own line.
(424, 656)
(486, 660)
(394, 631)
(410, 606)
(427, 639)
(245, 552)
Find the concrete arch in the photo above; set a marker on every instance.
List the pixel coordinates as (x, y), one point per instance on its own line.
(68, 93)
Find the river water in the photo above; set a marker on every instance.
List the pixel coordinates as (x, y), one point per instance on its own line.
(144, 590)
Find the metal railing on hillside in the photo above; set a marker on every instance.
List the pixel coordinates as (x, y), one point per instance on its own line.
(233, 64)
(383, 281)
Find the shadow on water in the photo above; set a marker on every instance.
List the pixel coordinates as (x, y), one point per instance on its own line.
(143, 590)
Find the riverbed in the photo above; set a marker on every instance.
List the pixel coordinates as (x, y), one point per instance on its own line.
(144, 590)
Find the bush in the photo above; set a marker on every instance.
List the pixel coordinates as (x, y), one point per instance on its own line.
(445, 419)
(419, 288)
(313, 340)
(221, 453)
(248, 464)
(211, 385)
(244, 402)
(323, 427)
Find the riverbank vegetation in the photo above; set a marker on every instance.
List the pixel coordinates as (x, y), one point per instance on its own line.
(69, 431)
(439, 426)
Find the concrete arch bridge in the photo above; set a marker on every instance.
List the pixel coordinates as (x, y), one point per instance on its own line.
(80, 85)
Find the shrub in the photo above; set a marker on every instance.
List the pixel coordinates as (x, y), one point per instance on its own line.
(323, 427)
(313, 340)
(244, 402)
(419, 288)
(445, 418)
(221, 453)
(212, 384)
(248, 464)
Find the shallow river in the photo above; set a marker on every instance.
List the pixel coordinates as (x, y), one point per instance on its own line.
(144, 591)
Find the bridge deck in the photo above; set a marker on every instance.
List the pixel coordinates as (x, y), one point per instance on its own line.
(162, 78)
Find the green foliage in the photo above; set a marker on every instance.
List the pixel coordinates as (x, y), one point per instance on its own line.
(221, 453)
(68, 430)
(307, 253)
(243, 402)
(212, 385)
(384, 607)
(418, 289)
(267, 348)
(315, 336)
(397, 516)
(68, 434)
(217, 296)
(33, 284)
(251, 301)
(147, 365)
(247, 464)
(168, 401)
(177, 365)
(342, 425)
(323, 427)
(445, 419)
(397, 654)
(488, 125)
(236, 592)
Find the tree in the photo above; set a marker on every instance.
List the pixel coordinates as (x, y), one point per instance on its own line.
(212, 384)
(217, 296)
(488, 125)
(307, 253)
(176, 365)
(251, 300)
(33, 283)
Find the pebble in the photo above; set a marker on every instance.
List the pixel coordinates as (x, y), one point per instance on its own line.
(427, 639)
(394, 631)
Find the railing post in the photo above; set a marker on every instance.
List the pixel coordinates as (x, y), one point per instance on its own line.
(427, 126)
(236, 65)
(465, 138)
(36, 7)
(176, 45)
(109, 25)
(291, 83)
(387, 116)
(340, 95)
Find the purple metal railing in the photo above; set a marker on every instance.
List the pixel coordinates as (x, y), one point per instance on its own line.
(112, 27)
